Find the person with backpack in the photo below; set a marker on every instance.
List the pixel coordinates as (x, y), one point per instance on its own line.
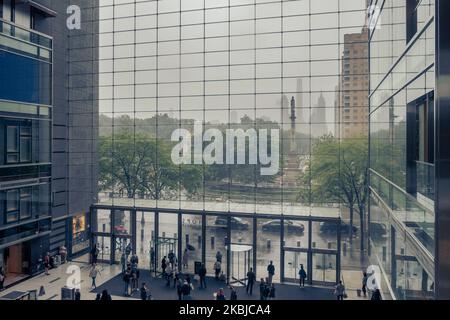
(302, 276)
(251, 278)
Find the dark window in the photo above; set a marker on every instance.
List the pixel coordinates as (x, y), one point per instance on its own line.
(25, 203)
(12, 206)
(411, 18)
(18, 143)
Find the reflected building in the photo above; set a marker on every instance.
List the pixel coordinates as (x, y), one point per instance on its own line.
(319, 125)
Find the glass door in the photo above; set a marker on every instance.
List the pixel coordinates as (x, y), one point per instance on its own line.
(292, 262)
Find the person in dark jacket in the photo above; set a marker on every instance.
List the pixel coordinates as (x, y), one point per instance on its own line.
(364, 284)
(302, 276)
(186, 291)
(144, 291)
(98, 297)
(202, 275)
(164, 266)
(105, 296)
(233, 293)
(77, 294)
(251, 278)
(272, 292)
(262, 288)
(376, 295)
(270, 272)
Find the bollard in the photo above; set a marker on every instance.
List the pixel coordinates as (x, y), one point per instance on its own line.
(313, 244)
(298, 244)
(199, 241)
(142, 235)
(384, 254)
(164, 234)
(187, 239)
(212, 242)
(344, 248)
(175, 236)
(240, 240)
(268, 243)
(329, 245)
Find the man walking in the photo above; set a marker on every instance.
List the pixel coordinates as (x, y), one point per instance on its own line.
(202, 275)
(270, 271)
(93, 274)
(340, 291)
(251, 278)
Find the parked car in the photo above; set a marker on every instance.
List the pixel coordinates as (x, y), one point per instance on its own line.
(275, 226)
(377, 230)
(236, 223)
(120, 230)
(331, 227)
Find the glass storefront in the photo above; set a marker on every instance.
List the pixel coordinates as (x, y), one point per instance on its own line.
(80, 233)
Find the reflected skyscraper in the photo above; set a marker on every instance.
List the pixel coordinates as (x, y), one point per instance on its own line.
(319, 118)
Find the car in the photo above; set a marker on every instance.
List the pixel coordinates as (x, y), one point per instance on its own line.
(275, 226)
(120, 230)
(331, 227)
(236, 223)
(377, 230)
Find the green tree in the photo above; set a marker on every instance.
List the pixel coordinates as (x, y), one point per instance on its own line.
(338, 172)
(139, 163)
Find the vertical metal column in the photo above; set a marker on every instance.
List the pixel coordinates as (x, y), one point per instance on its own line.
(133, 230)
(180, 239)
(282, 250)
(228, 248)
(155, 241)
(309, 257)
(204, 238)
(338, 255)
(255, 244)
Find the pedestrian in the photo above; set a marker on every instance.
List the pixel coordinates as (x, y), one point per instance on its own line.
(339, 291)
(63, 254)
(77, 294)
(180, 289)
(2, 278)
(185, 259)
(93, 274)
(270, 271)
(376, 295)
(144, 291)
(123, 262)
(171, 257)
(364, 284)
(169, 274)
(262, 287)
(266, 289)
(302, 276)
(251, 278)
(126, 280)
(202, 275)
(233, 293)
(98, 297)
(220, 295)
(163, 266)
(134, 280)
(47, 263)
(94, 254)
(272, 292)
(219, 256)
(176, 276)
(217, 268)
(186, 291)
(105, 296)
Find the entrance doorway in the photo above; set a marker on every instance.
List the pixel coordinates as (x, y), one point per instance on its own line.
(15, 263)
(240, 263)
(292, 261)
(162, 245)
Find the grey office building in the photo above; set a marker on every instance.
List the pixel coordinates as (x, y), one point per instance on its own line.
(44, 159)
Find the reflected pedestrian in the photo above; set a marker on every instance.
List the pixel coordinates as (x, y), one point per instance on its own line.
(233, 293)
(126, 280)
(262, 287)
(219, 256)
(185, 259)
(163, 266)
(272, 292)
(202, 275)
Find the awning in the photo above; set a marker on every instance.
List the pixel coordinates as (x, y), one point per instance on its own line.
(41, 8)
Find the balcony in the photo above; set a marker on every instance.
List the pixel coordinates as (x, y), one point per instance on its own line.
(18, 39)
